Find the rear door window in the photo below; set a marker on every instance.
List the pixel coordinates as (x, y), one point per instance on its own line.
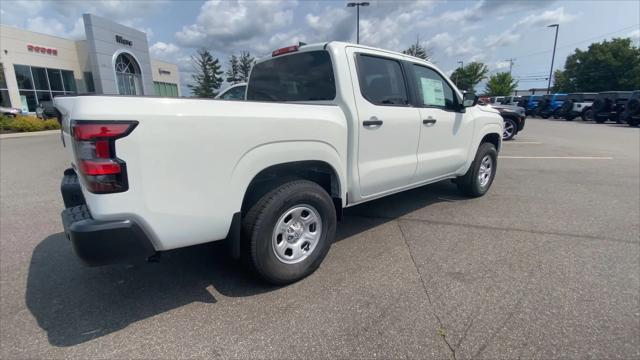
(305, 76)
(382, 81)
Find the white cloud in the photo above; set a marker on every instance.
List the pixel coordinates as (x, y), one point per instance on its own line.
(164, 51)
(498, 65)
(463, 48)
(440, 40)
(503, 39)
(634, 35)
(226, 24)
(557, 16)
(55, 27)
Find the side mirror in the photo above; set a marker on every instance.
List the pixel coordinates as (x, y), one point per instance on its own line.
(469, 99)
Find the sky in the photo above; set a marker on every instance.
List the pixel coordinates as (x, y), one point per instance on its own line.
(491, 31)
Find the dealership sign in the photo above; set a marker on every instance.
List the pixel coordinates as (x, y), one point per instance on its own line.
(123, 41)
(42, 49)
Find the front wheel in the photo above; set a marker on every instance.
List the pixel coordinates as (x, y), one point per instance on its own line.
(478, 179)
(587, 115)
(509, 130)
(289, 231)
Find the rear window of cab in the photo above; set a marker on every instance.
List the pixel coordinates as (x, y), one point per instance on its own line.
(305, 76)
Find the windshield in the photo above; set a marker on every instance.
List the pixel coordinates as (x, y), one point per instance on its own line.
(306, 76)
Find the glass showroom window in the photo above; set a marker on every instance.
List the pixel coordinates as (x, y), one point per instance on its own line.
(165, 89)
(128, 75)
(39, 84)
(4, 92)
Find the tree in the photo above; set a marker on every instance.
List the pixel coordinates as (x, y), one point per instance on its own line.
(233, 70)
(561, 83)
(417, 50)
(608, 65)
(246, 63)
(206, 77)
(466, 78)
(500, 84)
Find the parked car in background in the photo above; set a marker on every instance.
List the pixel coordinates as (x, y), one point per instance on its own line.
(550, 105)
(496, 99)
(233, 92)
(8, 111)
(530, 103)
(577, 104)
(610, 105)
(511, 100)
(513, 118)
(325, 126)
(631, 113)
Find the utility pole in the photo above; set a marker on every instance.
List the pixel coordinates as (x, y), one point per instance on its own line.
(552, 57)
(510, 64)
(357, 6)
(461, 67)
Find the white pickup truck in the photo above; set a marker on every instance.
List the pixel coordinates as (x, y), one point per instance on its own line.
(324, 127)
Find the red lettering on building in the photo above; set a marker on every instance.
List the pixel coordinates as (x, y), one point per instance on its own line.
(42, 49)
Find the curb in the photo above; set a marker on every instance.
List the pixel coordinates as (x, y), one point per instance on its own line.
(27, 134)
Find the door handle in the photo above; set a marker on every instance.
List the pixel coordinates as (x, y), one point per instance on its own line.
(372, 122)
(429, 121)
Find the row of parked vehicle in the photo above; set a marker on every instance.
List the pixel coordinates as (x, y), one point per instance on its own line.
(618, 106)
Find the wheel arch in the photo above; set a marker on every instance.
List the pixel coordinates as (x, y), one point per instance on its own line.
(271, 164)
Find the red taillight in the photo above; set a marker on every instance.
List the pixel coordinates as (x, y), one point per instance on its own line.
(95, 144)
(90, 167)
(92, 130)
(285, 50)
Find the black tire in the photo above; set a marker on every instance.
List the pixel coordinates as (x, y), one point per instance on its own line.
(258, 230)
(557, 113)
(600, 119)
(469, 183)
(514, 129)
(587, 114)
(569, 117)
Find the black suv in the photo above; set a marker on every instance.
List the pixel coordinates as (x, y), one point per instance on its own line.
(610, 105)
(577, 104)
(631, 113)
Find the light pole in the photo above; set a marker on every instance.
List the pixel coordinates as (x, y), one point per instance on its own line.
(357, 6)
(552, 56)
(461, 67)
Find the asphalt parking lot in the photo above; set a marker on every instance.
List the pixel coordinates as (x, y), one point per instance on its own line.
(547, 265)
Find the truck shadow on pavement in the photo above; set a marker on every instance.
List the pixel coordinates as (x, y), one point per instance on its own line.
(75, 304)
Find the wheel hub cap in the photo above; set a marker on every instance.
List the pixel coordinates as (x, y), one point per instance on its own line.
(296, 233)
(486, 169)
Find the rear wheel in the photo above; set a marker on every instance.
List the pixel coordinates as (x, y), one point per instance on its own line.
(478, 179)
(289, 231)
(510, 129)
(587, 115)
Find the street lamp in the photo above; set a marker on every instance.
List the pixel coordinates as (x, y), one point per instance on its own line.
(357, 6)
(461, 67)
(552, 56)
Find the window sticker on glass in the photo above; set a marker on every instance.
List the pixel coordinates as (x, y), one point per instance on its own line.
(432, 92)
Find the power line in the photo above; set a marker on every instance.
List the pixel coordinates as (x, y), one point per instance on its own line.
(577, 42)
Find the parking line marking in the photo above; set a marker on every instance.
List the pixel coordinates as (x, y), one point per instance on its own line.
(522, 142)
(559, 157)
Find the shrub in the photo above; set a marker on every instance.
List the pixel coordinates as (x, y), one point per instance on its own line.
(51, 124)
(5, 122)
(26, 123)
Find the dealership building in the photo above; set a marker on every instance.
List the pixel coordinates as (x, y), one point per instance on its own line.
(112, 59)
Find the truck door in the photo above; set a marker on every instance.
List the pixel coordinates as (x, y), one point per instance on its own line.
(446, 131)
(388, 126)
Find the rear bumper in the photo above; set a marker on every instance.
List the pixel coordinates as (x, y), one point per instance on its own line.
(99, 242)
